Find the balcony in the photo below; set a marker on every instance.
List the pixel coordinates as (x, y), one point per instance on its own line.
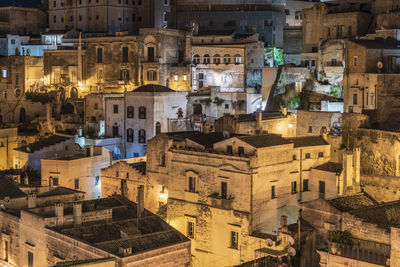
(220, 203)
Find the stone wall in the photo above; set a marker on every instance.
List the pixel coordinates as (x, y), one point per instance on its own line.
(381, 188)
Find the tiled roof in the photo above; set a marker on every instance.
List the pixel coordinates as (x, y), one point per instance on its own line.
(349, 203)
(49, 141)
(266, 140)
(9, 189)
(389, 43)
(60, 190)
(265, 116)
(140, 167)
(331, 167)
(154, 88)
(308, 141)
(206, 140)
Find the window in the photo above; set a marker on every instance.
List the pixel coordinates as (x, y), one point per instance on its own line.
(150, 54)
(224, 190)
(125, 54)
(62, 19)
(308, 156)
(349, 31)
(238, 59)
(99, 55)
(234, 240)
(371, 103)
(355, 99)
(6, 250)
(273, 193)
(142, 136)
(12, 41)
(130, 112)
(294, 187)
(305, 185)
(152, 75)
(4, 73)
(117, 174)
(129, 135)
(226, 106)
(309, 129)
(294, 157)
(196, 59)
(55, 19)
(124, 75)
(329, 32)
(166, 2)
(115, 131)
(162, 163)
(76, 184)
(298, 15)
(216, 59)
(229, 149)
(71, 18)
(320, 154)
(142, 113)
(206, 59)
(176, 77)
(184, 77)
(139, 2)
(133, 17)
(190, 229)
(54, 3)
(227, 59)
(339, 31)
(30, 259)
(287, 12)
(321, 189)
(97, 180)
(96, 106)
(241, 151)
(139, 18)
(66, 148)
(192, 184)
(115, 108)
(127, 175)
(80, 17)
(180, 56)
(100, 74)
(313, 63)
(355, 60)
(333, 62)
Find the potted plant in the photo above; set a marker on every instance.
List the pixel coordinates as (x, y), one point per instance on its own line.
(339, 237)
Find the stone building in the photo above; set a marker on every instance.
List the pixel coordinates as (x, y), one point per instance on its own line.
(74, 230)
(8, 142)
(143, 113)
(105, 17)
(255, 123)
(209, 179)
(372, 71)
(372, 231)
(267, 18)
(79, 170)
(124, 62)
(311, 123)
(22, 21)
(230, 62)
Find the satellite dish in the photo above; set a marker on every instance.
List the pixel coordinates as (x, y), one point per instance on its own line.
(269, 242)
(290, 240)
(379, 64)
(292, 251)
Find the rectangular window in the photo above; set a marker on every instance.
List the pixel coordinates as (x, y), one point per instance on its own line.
(309, 129)
(150, 54)
(142, 136)
(180, 56)
(142, 113)
(333, 62)
(355, 99)
(234, 240)
(298, 15)
(229, 149)
(192, 184)
(76, 184)
(313, 63)
(185, 78)
(6, 248)
(115, 108)
(152, 75)
(162, 163)
(355, 61)
(320, 154)
(273, 193)
(190, 229)
(4, 73)
(125, 54)
(99, 55)
(30, 259)
(339, 31)
(329, 32)
(124, 75)
(224, 190)
(294, 187)
(294, 157)
(117, 174)
(97, 180)
(349, 31)
(55, 19)
(241, 151)
(308, 156)
(305, 185)
(115, 131)
(175, 77)
(226, 106)
(321, 189)
(371, 103)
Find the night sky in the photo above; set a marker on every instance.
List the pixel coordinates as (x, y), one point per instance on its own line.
(24, 3)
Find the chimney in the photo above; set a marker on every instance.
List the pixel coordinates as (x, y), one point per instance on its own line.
(140, 203)
(356, 164)
(77, 210)
(32, 201)
(59, 213)
(206, 127)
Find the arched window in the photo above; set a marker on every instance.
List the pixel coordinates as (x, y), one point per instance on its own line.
(142, 136)
(238, 59)
(216, 59)
(206, 59)
(130, 112)
(197, 109)
(142, 113)
(22, 115)
(227, 59)
(129, 135)
(196, 59)
(158, 127)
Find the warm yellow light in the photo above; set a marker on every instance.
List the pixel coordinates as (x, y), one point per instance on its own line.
(290, 125)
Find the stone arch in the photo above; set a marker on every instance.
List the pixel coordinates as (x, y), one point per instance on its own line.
(197, 109)
(73, 93)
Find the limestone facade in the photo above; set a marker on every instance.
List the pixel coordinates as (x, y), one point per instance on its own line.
(8, 142)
